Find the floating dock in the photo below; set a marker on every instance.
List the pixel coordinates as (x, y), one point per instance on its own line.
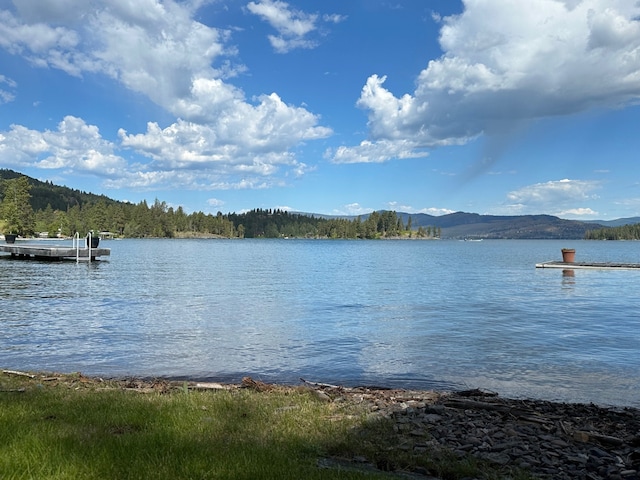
(53, 252)
(589, 265)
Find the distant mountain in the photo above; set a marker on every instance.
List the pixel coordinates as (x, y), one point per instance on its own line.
(618, 222)
(463, 225)
(473, 225)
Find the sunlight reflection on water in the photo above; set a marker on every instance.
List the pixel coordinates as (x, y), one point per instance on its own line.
(419, 314)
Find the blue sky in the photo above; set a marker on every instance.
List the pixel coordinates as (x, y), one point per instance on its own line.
(434, 106)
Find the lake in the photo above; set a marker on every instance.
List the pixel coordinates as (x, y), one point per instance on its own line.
(396, 313)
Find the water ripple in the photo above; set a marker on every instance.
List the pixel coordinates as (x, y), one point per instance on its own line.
(406, 314)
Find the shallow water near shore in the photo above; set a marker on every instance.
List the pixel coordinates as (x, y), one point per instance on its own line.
(414, 314)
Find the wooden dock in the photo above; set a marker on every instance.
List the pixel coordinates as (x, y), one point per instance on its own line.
(53, 252)
(589, 265)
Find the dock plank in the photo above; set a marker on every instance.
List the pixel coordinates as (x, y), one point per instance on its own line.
(53, 252)
(589, 265)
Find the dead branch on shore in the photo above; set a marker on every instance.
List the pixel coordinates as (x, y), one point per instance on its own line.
(321, 385)
(20, 374)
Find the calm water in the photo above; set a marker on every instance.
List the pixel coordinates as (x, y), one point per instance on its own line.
(415, 314)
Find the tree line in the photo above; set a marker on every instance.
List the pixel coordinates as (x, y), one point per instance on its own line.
(623, 232)
(23, 213)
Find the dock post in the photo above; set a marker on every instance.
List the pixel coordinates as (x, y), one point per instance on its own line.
(76, 243)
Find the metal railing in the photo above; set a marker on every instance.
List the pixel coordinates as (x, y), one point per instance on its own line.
(76, 245)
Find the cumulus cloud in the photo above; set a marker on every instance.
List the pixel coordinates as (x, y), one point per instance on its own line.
(506, 63)
(427, 210)
(293, 26)
(577, 212)
(60, 11)
(244, 138)
(158, 49)
(358, 209)
(283, 208)
(375, 152)
(152, 179)
(353, 209)
(558, 197)
(214, 202)
(73, 145)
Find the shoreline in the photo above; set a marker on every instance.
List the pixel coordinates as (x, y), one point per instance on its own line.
(232, 382)
(550, 439)
(563, 441)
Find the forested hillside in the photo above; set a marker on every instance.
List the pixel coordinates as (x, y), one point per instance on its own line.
(61, 211)
(59, 198)
(64, 211)
(623, 232)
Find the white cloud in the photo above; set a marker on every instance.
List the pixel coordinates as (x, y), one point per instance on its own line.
(375, 152)
(206, 180)
(353, 209)
(428, 210)
(159, 50)
(357, 209)
(557, 197)
(633, 202)
(60, 11)
(41, 44)
(7, 81)
(293, 26)
(577, 212)
(73, 145)
(506, 63)
(555, 191)
(334, 18)
(5, 96)
(246, 138)
(434, 211)
(177, 157)
(162, 54)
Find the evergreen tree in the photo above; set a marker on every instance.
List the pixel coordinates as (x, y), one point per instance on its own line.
(16, 211)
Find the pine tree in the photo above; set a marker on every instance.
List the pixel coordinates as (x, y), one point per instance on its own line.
(16, 211)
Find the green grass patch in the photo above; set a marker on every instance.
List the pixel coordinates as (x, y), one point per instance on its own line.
(70, 427)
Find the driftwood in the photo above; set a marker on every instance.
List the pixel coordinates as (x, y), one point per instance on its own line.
(257, 385)
(476, 392)
(210, 386)
(476, 405)
(526, 415)
(321, 385)
(21, 374)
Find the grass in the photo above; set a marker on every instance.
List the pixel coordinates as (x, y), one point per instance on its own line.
(70, 427)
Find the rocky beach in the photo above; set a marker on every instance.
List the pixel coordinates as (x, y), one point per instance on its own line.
(551, 440)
